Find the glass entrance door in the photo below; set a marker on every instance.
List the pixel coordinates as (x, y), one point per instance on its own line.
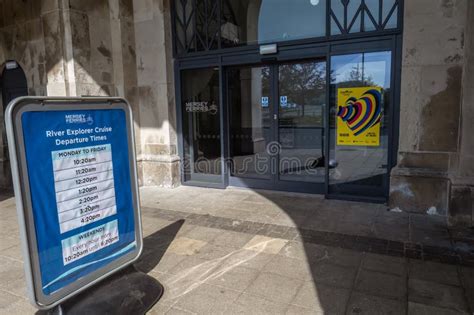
(283, 136)
(276, 126)
(250, 104)
(201, 126)
(360, 124)
(300, 125)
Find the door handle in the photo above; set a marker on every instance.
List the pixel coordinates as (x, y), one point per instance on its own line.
(275, 117)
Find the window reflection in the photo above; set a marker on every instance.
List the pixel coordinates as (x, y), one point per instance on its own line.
(201, 123)
(250, 105)
(282, 20)
(212, 24)
(359, 164)
(302, 90)
(362, 69)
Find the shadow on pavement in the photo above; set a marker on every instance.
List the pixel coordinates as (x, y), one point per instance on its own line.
(360, 258)
(155, 246)
(6, 194)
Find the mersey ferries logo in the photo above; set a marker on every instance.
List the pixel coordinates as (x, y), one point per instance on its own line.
(201, 107)
(79, 119)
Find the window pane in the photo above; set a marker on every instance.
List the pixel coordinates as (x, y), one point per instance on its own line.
(302, 90)
(250, 105)
(392, 21)
(372, 17)
(265, 21)
(282, 20)
(203, 25)
(201, 123)
(346, 16)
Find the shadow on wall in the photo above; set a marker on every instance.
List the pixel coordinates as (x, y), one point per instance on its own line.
(5, 194)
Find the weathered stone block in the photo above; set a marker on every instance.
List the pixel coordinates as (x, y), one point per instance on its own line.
(151, 52)
(410, 107)
(426, 160)
(143, 10)
(93, 8)
(128, 53)
(16, 12)
(49, 5)
(439, 125)
(433, 32)
(159, 149)
(419, 193)
(159, 173)
(461, 206)
(53, 42)
(126, 9)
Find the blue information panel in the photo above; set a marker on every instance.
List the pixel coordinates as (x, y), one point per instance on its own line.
(81, 192)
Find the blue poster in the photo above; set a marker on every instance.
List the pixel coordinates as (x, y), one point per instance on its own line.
(80, 185)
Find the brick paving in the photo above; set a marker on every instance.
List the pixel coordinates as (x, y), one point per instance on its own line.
(254, 252)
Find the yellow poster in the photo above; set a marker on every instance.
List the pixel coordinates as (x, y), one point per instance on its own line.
(359, 112)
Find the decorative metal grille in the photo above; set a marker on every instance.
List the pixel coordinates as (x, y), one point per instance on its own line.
(200, 25)
(355, 16)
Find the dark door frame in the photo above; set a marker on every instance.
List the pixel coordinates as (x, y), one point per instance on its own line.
(317, 50)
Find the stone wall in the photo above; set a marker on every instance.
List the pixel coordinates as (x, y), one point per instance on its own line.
(89, 48)
(461, 206)
(102, 51)
(435, 52)
(157, 159)
(29, 33)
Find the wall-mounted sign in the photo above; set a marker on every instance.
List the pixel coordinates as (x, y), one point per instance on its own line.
(359, 115)
(201, 107)
(75, 180)
(265, 101)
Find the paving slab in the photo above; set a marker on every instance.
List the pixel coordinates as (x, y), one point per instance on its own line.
(265, 244)
(253, 304)
(185, 246)
(381, 284)
(435, 272)
(237, 278)
(232, 239)
(386, 264)
(295, 268)
(208, 299)
(322, 298)
(435, 294)
(422, 309)
(294, 309)
(274, 287)
(334, 275)
(361, 303)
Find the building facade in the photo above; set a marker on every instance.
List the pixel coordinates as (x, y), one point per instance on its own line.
(366, 100)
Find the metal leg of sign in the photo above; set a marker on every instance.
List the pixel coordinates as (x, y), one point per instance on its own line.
(127, 292)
